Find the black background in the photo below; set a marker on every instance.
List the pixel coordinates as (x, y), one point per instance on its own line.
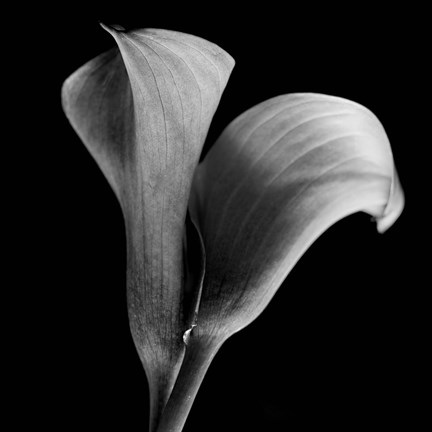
(339, 344)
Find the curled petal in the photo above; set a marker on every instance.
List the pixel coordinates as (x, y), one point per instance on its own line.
(143, 110)
(279, 176)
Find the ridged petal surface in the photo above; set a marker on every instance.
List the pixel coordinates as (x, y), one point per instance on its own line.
(143, 110)
(278, 177)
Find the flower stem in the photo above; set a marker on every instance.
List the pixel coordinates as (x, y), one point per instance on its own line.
(200, 352)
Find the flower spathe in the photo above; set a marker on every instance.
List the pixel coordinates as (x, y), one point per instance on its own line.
(143, 110)
(278, 177)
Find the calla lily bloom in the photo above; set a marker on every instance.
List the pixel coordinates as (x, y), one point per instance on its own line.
(209, 244)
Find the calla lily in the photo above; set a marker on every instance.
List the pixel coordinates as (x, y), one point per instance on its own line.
(143, 111)
(210, 244)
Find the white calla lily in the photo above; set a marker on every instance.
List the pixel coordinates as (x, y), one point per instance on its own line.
(279, 176)
(143, 111)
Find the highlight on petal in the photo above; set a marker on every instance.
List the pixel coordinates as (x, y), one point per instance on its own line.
(143, 110)
(280, 175)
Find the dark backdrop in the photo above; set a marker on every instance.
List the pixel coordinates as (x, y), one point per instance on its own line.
(339, 342)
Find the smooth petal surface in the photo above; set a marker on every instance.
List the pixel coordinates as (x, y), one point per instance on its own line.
(143, 111)
(278, 177)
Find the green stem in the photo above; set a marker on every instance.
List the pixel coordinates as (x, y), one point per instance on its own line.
(200, 352)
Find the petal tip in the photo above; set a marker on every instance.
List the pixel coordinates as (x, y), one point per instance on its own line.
(390, 217)
(113, 29)
(394, 207)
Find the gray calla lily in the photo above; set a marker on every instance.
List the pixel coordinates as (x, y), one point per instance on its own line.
(279, 175)
(277, 178)
(143, 111)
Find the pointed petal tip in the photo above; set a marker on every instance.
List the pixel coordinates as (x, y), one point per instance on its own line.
(391, 215)
(394, 207)
(113, 29)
